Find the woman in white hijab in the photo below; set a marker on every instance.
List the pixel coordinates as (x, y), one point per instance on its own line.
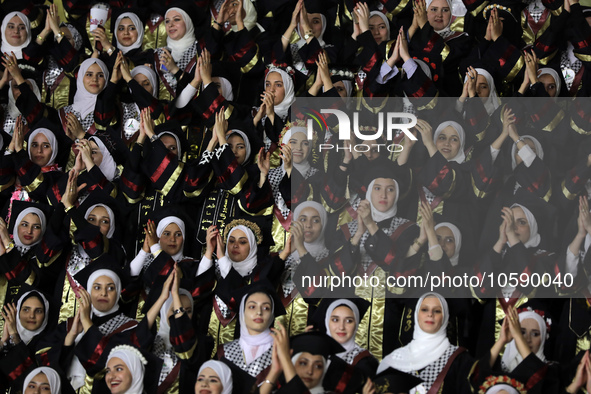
(379, 26)
(125, 30)
(532, 328)
(125, 366)
(428, 352)
(22, 239)
(280, 84)
(551, 81)
(16, 33)
(478, 82)
(41, 379)
(214, 376)
(11, 110)
(107, 164)
(42, 148)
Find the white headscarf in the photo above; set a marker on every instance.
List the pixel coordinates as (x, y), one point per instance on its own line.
(164, 329)
(139, 26)
(539, 150)
(318, 389)
(534, 237)
(165, 223)
(246, 266)
(350, 344)
(76, 36)
(27, 335)
(227, 90)
(320, 39)
(457, 239)
(492, 102)
(6, 47)
(377, 215)
(511, 357)
(460, 156)
(178, 47)
(250, 20)
(12, 109)
(115, 278)
(17, 224)
(446, 31)
(317, 247)
(499, 387)
(108, 166)
(224, 374)
(179, 153)
(304, 166)
(150, 74)
(84, 101)
(135, 362)
(424, 348)
(384, 19)
(262, 341)
(244, 137)
(53, 378)
(553, 74)
(111, 217)
(282, 109)
(50, 138)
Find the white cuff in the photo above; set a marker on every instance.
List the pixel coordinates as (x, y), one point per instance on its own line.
(527, 155)
(204, 265)
(410, 66)
(185, 96)
(155, 248)
(225, 266)
(386, 73)
(494, 153)
(138, 262)
(572, 263)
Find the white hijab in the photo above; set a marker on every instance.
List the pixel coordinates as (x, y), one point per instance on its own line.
(492, 102)
(224, 374)
(111, 218)
(539, 150)
(384, 19)
(553, 74)
(250, 20)
(377, 215)
(534, 237)
(164, 329)
(320, 39)
(27, 335)
(244, 137)
(318, 389)
(457, 239)
(150, 74)
(108, 166)
(179, 153)
(12, 109)
(165, 223)
(178, 47)
(17, 224)
(460, 156)
(135, 362)
(245, 267)
(282, 109)
(50, 138)
(511, 357)
(262, 341)
(318, 246)
(350, 344)
(446, 31)
(227, 90)
(304, 166)
(424, 348)
(53, 378)
(139, 26)
(115, 278)
(6, 47)
(84, 101)
(499, 387)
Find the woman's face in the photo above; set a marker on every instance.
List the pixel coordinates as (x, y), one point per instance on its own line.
(68, 36)
(144, 83)
(103, 294)
(32, 313)
(100, 217)
(39, 384)
(16, 32)
(171, 240)
(217, 82)
(29, 229)
(310, 218)
(16, 92)
(300, 147)
(118, 376)
(40, 150)
(341, 89)
(126, 32)
(186, 303)
(315, 22)
(532, 334)
(236, 143)
(448, 143)
(175, 25)
(274, 84)
(310, 369)
(378, 29)
(530, 143)
(342, 324)
(94, 79)
(383, 194)
(430, 315)
(97, 155)
(208, 382)
(374, 151)
(482, 87)
(257, 313)
(446, 240)
(170, 143)
(233, 9)
(549, 84)
(439, 14)
(238, 246)
(521, 227)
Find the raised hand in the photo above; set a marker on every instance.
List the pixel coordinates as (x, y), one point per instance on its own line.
(10, 63)
(151, 236)
(167, 61)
